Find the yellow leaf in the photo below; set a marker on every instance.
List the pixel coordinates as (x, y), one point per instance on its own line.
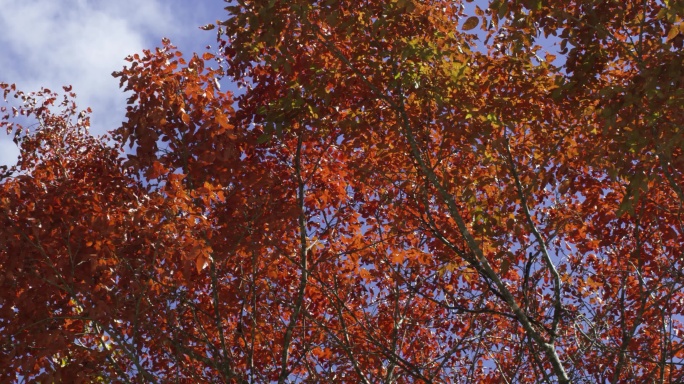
(675, 30)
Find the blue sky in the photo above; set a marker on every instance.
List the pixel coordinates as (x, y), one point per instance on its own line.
(52, 43)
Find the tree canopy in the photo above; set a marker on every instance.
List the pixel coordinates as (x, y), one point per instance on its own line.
(401, 191)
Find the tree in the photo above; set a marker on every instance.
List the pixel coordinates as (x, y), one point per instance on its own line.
(392, 198)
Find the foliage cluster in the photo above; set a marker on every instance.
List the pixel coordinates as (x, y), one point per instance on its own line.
(396, 196)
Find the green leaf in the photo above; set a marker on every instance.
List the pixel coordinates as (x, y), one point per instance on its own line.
(503, 10)
(264, 138)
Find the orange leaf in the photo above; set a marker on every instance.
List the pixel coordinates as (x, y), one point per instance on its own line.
(470, 23)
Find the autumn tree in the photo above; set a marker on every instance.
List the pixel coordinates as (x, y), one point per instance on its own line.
(401, 191)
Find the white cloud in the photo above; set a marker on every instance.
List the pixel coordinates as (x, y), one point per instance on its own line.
(8, 151)
(48, 43)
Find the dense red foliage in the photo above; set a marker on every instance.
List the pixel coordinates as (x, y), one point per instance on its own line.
(395, 196)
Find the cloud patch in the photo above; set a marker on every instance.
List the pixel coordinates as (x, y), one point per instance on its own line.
(47, 43)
